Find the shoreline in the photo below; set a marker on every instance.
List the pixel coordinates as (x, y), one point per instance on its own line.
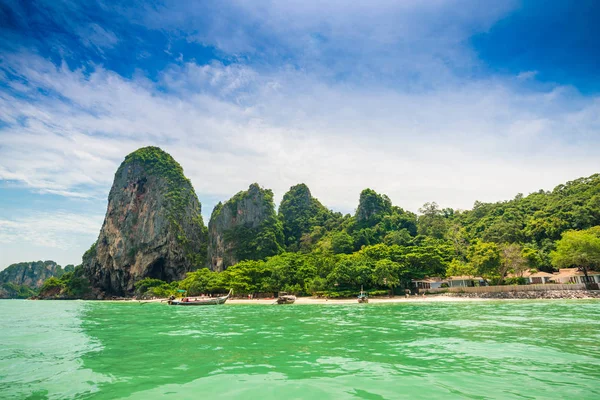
(390, 300)
(444, 298)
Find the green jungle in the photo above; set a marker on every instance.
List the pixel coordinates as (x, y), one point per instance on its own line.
(309, 250)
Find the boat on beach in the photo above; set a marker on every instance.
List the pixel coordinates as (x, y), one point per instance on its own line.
(286, 298)
(363, 297)
(207, 301)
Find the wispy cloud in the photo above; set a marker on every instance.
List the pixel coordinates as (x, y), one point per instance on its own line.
(49, 229)
(96, 36)
(338, 95)
(231, 125)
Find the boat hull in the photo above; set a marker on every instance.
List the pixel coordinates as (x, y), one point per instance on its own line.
(202, 302)
(286, 300)
(197, 303)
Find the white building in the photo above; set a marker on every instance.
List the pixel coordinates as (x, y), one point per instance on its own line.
(465, 281)
(428, 283)
(573, 275)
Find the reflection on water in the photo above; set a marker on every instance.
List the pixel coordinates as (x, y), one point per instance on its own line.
(102, 350)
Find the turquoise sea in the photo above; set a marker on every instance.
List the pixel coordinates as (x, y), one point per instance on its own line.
(474, 350)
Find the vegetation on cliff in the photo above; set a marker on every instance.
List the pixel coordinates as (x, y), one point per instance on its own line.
(23, 280)
(71, 285)
(153, 226)
(383, 247)
(178, 192)
(579, 249)
(307, 249)
(300, 215)
(245, 227)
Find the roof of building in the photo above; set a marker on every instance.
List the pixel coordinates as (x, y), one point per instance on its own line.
(569, 272)
(525, 274)
(464, 278)
(540, 274)
(529, 274)
(433, 279)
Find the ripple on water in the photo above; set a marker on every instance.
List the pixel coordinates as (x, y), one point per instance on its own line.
(472, 350)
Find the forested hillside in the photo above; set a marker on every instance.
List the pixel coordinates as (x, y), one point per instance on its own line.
(383, 247)
(23, 280)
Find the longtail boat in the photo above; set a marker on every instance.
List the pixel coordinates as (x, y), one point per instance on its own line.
(210, 301)
(286, 298)
(363, 297)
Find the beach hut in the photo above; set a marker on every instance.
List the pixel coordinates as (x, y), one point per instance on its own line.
(465, 281)
(573, 275)
(428, 283)
(539, 278)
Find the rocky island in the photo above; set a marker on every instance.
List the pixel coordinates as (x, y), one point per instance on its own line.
(153, 242)
(153, 226)
(23, 280)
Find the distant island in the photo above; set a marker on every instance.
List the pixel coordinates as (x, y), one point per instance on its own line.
(24, 280)
(154, 241)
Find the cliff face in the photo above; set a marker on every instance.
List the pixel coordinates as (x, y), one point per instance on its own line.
(153, 226)
(299, 212)
(18, 280)
(372, 207)
(244, 228)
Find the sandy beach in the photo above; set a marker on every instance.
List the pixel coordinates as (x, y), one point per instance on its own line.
(380, 300)
(314, 300)
(398, 299)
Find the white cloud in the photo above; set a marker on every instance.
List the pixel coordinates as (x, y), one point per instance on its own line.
(49, 229)
(232, 125)
(371, 96)
(93, 35)
(527, 75)
(367, 40)
(53, 235)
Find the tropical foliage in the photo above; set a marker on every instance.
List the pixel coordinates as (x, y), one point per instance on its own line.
(71, 285)
(307, 249)
(383, 247)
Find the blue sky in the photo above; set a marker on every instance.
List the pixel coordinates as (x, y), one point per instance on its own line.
(445, 100)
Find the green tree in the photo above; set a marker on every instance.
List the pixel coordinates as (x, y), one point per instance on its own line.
(533, 257)
(198, 282)
(579, 249)
(512, 260)
(386, 274)
(401, 238)
(460, 268)
(342, 243)
(431, 222)
(300, 213)
(485, 257)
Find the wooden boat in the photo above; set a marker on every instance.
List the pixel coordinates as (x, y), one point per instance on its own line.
(210, 301)
(363, 297)
(286, 299)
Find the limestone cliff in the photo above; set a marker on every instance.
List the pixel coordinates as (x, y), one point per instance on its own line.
(299, 213)
(153, 226)
(244, 228)
(23, 279)
(372, 207)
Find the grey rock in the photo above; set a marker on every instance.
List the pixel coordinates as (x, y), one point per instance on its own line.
(245, 227)
(153, 227)
(29, 274)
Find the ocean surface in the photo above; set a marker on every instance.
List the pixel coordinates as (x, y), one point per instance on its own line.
(480, 350)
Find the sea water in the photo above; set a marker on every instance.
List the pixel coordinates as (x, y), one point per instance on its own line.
(477, 350)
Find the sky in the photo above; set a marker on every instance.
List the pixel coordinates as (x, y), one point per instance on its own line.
(450, 101)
